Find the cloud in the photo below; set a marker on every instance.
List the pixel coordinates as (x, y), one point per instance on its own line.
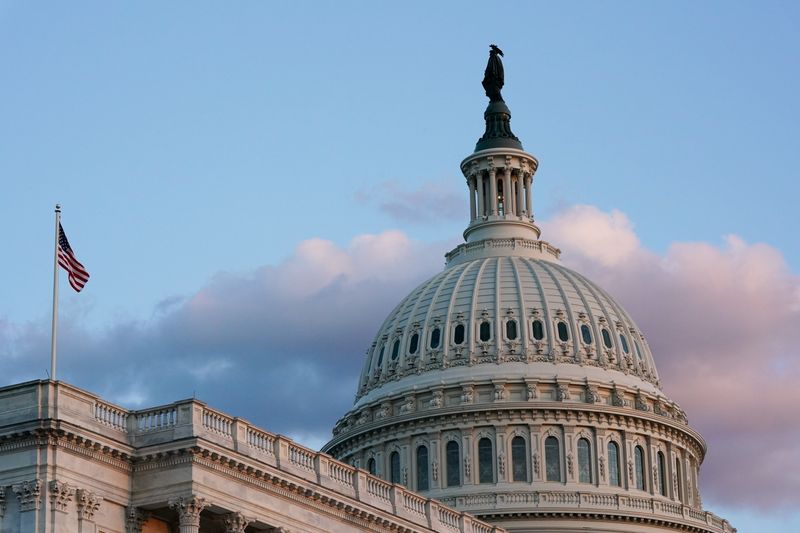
(429, 202)
(282, 345)
(722, 323)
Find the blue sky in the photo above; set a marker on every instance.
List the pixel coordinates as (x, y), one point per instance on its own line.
(191, 143)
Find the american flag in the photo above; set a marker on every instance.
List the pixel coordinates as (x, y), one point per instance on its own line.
(77, 273)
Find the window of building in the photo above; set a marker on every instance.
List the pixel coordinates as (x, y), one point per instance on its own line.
(422, 468)
(371, 465)
(662, 474)
(552, 459)
(414, 344)
(584, 461)
(511, 330)
(453, 464)
(624, 342)
(485, 331)
(458, 334)
(638, 459)
(436, 335)
(613, 464)
(538, 330)
(380, 356)
(395, 349)
(586, 334)
(563, 332)
(638, 351)
(679, 479)
(485, 461)
(607, 339)
(519, 459)
(394, 467)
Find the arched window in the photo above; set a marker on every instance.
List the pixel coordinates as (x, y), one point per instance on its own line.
(485, 331)
(679, 479)
(538, 330)
(563, 332)
(371, 465)
(395, 349)
(485, 461)
(453, 464)
(552, 459)
(584, 461)
(511, 330)
(414, 343)
(613, 464)
(623, 340)
(519, 459)
(586, 334)
(458, 334)
(436, 335)
(422, 468)
(662, 475)
(638, 459)
(380, 356)
(394, 467)
(607, 339)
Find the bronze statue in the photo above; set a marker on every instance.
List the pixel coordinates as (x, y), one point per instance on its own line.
(493, 77)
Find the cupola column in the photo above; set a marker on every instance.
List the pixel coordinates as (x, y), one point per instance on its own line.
(528, 183)
(472, 180)
(507, 209)
(481, 199)
(519, 194)
(492, 191)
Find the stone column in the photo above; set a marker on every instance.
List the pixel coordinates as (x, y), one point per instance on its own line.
(481, 195)
(507, 204)
(492, 191)
(519, 194)
(88, 504)
(235, 523)
(135, 519)
(189, 509)
(472, 198)
(528, 200)
(29, 495)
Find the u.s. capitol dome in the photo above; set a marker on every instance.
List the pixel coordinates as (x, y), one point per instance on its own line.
(515, 388)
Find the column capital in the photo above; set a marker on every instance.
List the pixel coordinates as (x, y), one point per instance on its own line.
(29, 494)
(61, 494)
(235, 522)
(135, 519)
(88, 504)
(189, 509)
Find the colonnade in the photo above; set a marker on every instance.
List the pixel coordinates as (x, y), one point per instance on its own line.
(500, 193)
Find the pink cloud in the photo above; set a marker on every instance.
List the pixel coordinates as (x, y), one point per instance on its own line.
(723, 325)
(429, 202)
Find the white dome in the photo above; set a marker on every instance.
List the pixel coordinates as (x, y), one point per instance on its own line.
(580, 331)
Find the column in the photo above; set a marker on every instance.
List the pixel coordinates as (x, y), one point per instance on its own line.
(492, 192)
(189, 509)
(88, 504)
(472, 198)
(528, 183)
(507, 203)
(235, 523)
(29, 495)
(481, 195)
(518, 190)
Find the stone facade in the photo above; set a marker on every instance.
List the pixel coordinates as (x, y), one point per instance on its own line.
(73, 463)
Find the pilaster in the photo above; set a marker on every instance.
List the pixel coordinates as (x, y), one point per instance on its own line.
(135, 519)
(235, 522)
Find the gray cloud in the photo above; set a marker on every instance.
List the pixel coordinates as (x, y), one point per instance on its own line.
(430, 202)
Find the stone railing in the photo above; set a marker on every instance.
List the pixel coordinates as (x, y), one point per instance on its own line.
(564, 501)
(94, 417)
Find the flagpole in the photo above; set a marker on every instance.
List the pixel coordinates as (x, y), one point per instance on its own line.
(55, 299)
